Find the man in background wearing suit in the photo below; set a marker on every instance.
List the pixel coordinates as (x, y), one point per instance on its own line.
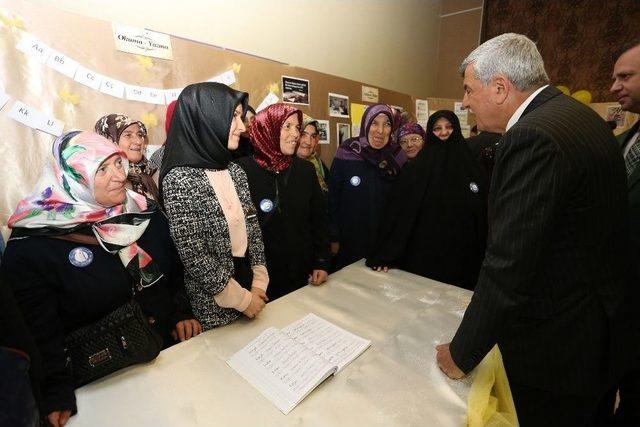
(552, 291)
(626, 87)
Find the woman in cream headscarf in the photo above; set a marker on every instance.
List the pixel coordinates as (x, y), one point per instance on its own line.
(309, 137)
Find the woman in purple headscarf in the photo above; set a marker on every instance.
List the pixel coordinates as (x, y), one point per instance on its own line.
(411, 138)
(360, 178)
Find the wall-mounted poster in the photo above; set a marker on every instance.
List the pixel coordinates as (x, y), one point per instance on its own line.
(357, 111)
(323, 131)
(422, 112)
(615, 113)
(295, 91)
(343, 130)
(369, 94)
(142, 42)
(338, 105)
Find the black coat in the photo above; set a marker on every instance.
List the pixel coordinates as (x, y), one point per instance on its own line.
(295, 234)
(15, 335)
(357, 193)
(552, 291)
(435, 220)
(57, 297)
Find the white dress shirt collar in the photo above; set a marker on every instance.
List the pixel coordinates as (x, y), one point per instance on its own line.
(518, 113)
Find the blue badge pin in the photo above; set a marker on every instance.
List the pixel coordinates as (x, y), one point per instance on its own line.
(355, 180)
(474, 187)
(266, 205)
(80, 256)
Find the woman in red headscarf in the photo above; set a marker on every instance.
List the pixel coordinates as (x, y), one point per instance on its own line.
(156, 157)
(291, 207)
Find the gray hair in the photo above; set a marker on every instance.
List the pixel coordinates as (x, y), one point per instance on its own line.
(514, 56)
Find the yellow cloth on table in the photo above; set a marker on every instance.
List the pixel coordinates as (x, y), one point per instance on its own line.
(490, 402)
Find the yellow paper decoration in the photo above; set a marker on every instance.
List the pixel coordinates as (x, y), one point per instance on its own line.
(564, 90)
(357, 111)
(145, 62)
(236, 67)
(274, 88)
(150, 120)
(69, 97)
(13, 21)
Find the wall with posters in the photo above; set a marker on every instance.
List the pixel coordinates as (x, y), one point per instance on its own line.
(64, 70)
(337, 37)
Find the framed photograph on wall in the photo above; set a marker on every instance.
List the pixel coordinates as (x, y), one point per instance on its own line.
(338, 105)
(343, 130)
(295, 91)
(323, 131)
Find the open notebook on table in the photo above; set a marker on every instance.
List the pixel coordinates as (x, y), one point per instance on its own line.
(285, 365)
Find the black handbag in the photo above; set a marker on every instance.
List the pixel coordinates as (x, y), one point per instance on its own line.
(122, 338)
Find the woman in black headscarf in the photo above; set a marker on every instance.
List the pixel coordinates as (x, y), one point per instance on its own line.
(443, 125)
(435, 221)
(211, 215)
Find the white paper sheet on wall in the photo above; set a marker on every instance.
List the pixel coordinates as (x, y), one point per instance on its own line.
(172, 94)
(268, 100)
(155, 96)
(112, 87)
(136, 93)
(22, 113)
(422, 112)
(228, 78)
(62, 64)
(34, 47)
(88, 77)
(35, 119)
(463, 116)
(50, 125)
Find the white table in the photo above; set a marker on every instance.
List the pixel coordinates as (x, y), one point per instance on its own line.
(394, 383)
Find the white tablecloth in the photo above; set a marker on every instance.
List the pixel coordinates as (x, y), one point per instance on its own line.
(396, 382)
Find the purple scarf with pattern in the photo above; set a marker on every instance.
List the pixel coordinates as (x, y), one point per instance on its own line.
(387, 160)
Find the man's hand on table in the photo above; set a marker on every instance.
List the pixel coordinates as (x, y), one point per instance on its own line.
(446, 363)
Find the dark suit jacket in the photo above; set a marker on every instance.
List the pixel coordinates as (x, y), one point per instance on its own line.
(633, 188)
(480, 141)
(552, 288)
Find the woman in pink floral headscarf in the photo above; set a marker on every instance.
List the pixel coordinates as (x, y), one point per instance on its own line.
(79, 243)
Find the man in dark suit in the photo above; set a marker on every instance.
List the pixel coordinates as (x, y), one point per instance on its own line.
(552, 292)
(626, 87)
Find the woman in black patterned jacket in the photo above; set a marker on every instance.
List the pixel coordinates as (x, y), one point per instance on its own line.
(211, 217)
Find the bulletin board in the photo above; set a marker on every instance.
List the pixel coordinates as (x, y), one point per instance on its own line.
(27, 79)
